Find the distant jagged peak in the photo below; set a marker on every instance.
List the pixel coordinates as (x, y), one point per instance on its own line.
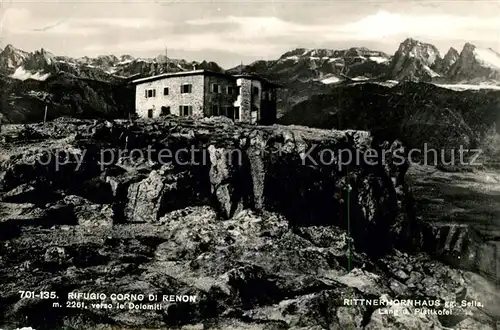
(108, 58)
(451, 56)
(44, 53)
(484, 56)
(126, 58)
(296, 51)
(363, 51)
(468, 47)
(476, 65)
(452, 51)
(417, 49)
(10, 48)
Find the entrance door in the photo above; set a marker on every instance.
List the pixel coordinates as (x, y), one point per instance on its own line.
(150, 113)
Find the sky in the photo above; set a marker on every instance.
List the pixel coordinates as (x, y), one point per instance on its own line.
(231, 32)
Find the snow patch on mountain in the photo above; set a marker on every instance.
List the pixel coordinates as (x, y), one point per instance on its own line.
(387, 83)
(488, 57)
(291, 58)
(22, 74)
(431, 72)
(127, 61)
(462, 87)
(330, 80)
(112, 70)
(360, 78)
(378, 59)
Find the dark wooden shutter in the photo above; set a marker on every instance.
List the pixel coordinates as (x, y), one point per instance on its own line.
(146, 93)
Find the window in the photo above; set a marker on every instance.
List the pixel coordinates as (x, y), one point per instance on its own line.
(165, 111)
(230, 112)
(215, 110)
(236, 113)
(150, 93)
(255, 91)
(185, 110)
(216, 88)
(230, 90)
(186, 88)
(150, 113)
(165, 91)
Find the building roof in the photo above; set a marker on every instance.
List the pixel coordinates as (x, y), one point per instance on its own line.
(202, 72)
(181, 74)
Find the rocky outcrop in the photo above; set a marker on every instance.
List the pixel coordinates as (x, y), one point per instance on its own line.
(462, 246)
(294, 171)
(163, 190)
(264, 226)
(249, 271)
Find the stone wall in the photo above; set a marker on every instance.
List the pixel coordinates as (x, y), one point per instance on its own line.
(244, 99)
(174, 99)
(255, 114)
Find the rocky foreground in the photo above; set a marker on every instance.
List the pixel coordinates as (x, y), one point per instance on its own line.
(279, 236)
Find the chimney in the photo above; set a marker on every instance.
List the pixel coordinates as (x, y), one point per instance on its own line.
(194, 66)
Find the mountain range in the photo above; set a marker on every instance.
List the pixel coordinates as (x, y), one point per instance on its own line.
(98, 86)
(414, 61)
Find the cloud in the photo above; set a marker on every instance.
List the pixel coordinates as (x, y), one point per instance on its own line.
(385, 24)
(126, 22)
(22, 21)
(379, 25)
(189, 42)
(382, 27)
(259, 36)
